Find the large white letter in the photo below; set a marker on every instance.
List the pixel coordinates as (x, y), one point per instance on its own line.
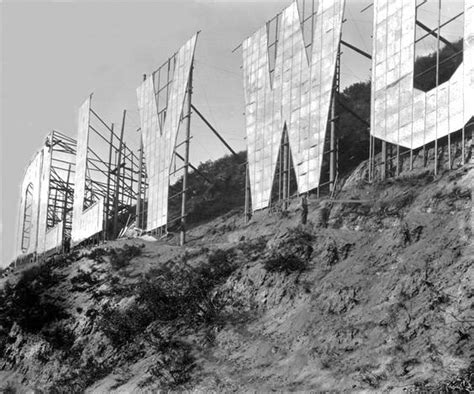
(159, 142)
(300, 97)
(85, 223)
(404, 115)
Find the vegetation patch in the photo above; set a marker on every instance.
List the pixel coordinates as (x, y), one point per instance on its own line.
(285, 263)
(120, 258)
(25, 304)
(175, 293)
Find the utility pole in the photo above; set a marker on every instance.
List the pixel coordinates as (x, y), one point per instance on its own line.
(182, 238)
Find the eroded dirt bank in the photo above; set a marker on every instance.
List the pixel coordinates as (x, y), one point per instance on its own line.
(380, 299)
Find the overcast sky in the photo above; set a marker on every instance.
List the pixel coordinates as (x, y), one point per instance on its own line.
(54, 54)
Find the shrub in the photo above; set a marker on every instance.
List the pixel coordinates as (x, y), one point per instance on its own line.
(83, 278)
(121, 326)
(253, 248)
(171, 293)
(285, 263)
(120, 258)
(97, 254)
(174, 364)
(60, 337)
(24, 303)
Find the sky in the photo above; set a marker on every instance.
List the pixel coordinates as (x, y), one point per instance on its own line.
(54, 54)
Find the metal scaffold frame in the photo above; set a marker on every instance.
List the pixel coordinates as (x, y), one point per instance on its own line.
(61, 183)
(116, 179)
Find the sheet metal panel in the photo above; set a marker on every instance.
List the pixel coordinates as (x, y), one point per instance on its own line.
(159, 143)
(401, 114)
(32, 176)
(300, 97)
(89, 222)
(38, 174)
(53, 237)
(43, 199)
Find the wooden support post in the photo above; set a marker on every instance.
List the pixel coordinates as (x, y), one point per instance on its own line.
(280, 175)
(383, 172)
(332, 144)
(182, 238)
(117, 177)
(139, 194)
(64, 215)
(437, 84)
(247, 212)
(370, 156)
(286, 170)
(107, 196)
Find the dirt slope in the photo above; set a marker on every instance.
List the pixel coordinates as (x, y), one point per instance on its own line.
(380, 299)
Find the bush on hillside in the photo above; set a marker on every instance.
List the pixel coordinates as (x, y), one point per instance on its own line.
(24, 303)
(284, 264)
(120, 258)
(171, 293)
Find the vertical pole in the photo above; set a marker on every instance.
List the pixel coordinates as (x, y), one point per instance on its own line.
(285, 168)
(332, 144)
(437, 84)
(64, 215)
(54, 205)
(398, 161)
(449, 151)
(370, 156)
(109, 169)
(186, 157)
(463, 148)
(130, 196)
(123, 175)
(247, 193)
(139, 193)
(280, 175)
(289, 168)
(117, 176)
(383, 171)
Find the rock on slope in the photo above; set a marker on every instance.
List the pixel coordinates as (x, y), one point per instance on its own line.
(380, 299)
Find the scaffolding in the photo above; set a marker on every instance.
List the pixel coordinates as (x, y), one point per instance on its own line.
(114, 173)
(61, 183)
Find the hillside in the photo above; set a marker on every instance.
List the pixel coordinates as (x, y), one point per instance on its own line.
(375, 294)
